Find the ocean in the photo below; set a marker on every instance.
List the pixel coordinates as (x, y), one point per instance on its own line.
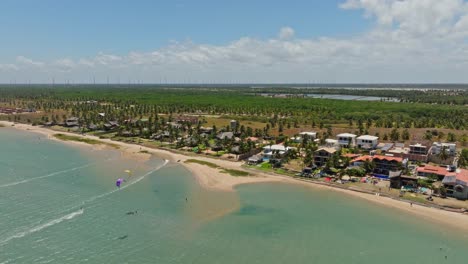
(59, 204)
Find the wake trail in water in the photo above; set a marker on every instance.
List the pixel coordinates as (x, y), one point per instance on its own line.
(76, 213)
(125, 186)
(43, 226)
(47, 176)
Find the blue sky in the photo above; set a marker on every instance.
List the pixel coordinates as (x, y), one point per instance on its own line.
(181, 40)
(50, 28)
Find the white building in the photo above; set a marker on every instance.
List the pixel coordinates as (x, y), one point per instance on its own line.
(367, 142)
(332, 143)
(450, 148)
(311, 135)
(346, 140)
(268, 151)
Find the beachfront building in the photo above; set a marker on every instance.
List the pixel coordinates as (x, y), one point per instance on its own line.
(418, 152)
(367, 142)
(72, 122)
(456, 184)
(450, 148)
(271, 151)
(385, 166)
(346, 140)
(405, 181)
(255, 159)
(111, 125)
(429, 171)
(322, 155)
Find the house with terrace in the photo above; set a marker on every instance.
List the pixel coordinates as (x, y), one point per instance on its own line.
(450, 148)
(346, 140)
(309, 135)
(456, 184)
(274, 151)
(384, 166)
(332, 143)
(367, 142)
(322, 155)
(419, 152)
(435, 172)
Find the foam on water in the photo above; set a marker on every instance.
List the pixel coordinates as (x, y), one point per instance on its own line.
(43, 226)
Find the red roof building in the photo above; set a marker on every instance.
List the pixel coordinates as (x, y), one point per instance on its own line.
(429, 170)
(384, 165)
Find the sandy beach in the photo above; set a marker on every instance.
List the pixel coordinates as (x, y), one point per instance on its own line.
(213, 178)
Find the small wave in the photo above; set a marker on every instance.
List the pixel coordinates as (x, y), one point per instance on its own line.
(46, 176)
(43, 226)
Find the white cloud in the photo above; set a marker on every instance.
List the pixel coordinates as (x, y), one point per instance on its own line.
(412, 41)
(416, 17)
(29, 62)
(286, 33)
(65, 65)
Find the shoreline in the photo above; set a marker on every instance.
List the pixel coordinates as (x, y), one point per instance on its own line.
(213, 178)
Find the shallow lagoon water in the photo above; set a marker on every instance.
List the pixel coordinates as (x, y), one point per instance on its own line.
(44, 184)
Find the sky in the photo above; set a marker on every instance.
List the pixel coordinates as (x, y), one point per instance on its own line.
(212, 41)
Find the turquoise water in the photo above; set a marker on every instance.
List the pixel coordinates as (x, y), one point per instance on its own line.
(59, 204)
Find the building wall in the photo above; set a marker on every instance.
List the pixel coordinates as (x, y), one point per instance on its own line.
(364, 143)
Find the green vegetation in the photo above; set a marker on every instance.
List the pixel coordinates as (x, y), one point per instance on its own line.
(202, 162)
(84, 140)
(463, 159)
(235, 173)
(130, 102)
(231, 172)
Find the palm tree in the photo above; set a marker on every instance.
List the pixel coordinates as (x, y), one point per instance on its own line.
(443, 153)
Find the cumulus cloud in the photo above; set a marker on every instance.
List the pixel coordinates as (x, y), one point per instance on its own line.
(412, 41)
(417, 17)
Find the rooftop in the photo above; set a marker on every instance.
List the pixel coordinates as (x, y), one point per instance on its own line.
(368, 137)
(378, 157)
(309, 133)
(433, 169)
(346, 135)
(329, 150)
